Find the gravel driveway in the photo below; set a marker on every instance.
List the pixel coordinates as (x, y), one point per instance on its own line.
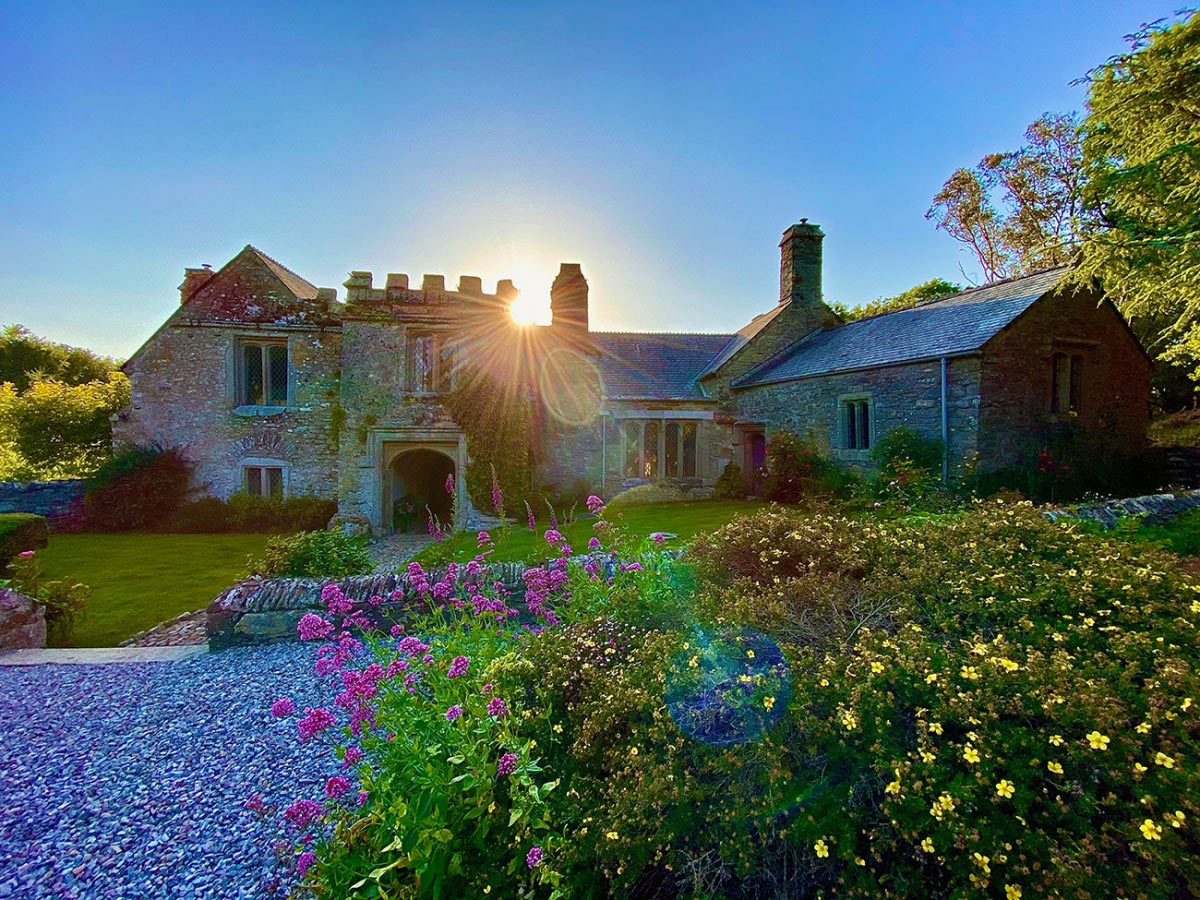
(130, 781)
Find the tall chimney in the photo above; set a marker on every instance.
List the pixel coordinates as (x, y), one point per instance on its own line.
(800, 264)
(569, 298)
(193, 280)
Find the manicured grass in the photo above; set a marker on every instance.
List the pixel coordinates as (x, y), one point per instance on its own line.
(684, 519)
(1180, 429)
(139, 580)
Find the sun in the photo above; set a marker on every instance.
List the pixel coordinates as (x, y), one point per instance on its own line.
(532, 306)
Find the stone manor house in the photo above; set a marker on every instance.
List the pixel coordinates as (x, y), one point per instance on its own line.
(272, 385)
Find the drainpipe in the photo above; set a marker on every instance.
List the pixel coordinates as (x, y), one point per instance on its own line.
(945, 429)
(604, 454)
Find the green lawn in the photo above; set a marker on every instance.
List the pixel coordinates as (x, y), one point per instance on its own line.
(685, 519)
(139, 580)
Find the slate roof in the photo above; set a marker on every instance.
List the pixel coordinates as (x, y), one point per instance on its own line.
(948, 327)
(304, 290)
(744, 335)
(637, 366)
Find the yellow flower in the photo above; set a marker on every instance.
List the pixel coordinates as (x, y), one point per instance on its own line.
(768, 702)
(927, 845)
(1012, 892)
(633, 751)
(935, 727)
(1139, 768)
(487, 889)
(928, 757)
(1097, 741)
(821, 848)
(1163, 760)
(1187, 704)
(824, 682)
(1176, 819)
(558, 728)
(612, 835)
(859, 861)
(1151, 830)
(848, 721)
(969, 672)
(893, 786)
(1008, 665)
(970, 754)
(1054, 767)
(931, 678)
(1004, 788)
(750, 654)
(1143, 728)
(876, 667)
(1056, 740)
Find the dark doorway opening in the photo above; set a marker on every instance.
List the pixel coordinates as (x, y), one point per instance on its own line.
(419, 490)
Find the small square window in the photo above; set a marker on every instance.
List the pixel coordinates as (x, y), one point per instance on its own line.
(263, 481)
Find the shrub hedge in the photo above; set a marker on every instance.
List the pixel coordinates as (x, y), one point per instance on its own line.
(20, 532)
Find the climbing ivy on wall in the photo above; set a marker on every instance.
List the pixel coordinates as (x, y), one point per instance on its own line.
(501, 422)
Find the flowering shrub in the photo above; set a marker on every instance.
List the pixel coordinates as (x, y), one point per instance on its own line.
(64, 600)
(795, 469)
(986, 704)
(313, 554)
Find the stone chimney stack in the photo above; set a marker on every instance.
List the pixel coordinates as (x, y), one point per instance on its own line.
(193, 280)
(800, 264)
(569, 298)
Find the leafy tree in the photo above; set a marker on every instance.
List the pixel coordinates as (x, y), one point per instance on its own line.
(933, 289)
(1141, 159)
(58, 430)
(23, 355)
(1018, 211)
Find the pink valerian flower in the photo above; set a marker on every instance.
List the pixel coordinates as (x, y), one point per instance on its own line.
(659, 538)
(282, 708)
(352, 757)
(302, 813)
(483, 539)
(565, 551)
(312, 627)
(256, 805)
(376, 600)
(553, 537)
(335, 601)
(336, 786)
(458, 667)
(534, 857)
(26, 554)
(487, 688)
(507, 764)
(314, 722)
(594, 504)
(631, 567)
(454, 712)
(497, 708)
(362, 797)
(593, 543)
(396, 666)
(397, 630)
(450, 484)
(411, 646)
(304, 862)
(530, 518)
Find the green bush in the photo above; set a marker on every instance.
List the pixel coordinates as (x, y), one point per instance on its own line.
(137, 490)
(313, 554)
(795, 469)
(731, 483)
(19, 532)
(904, 444)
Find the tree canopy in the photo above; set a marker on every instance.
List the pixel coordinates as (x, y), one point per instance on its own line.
(24, 354)
(1141, 167)
(933, 289)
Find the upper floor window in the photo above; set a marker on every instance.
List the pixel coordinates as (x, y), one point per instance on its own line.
(856, 423)
(263, 375)
(1066, 379)
(430, 363)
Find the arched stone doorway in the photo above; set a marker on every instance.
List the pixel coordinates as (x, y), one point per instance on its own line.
(418, 488)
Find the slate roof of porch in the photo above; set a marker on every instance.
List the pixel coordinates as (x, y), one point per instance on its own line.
(639, 366)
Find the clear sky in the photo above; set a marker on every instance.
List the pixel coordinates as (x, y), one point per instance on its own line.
(663, 146)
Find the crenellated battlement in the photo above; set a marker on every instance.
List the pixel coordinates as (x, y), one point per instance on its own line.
(360, 289)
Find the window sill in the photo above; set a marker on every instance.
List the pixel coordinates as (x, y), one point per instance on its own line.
(251, 410)
(859, 456)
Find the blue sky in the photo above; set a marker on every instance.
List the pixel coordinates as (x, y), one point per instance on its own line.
(663, 146)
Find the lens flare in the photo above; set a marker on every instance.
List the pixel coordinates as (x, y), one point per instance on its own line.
(569, 384)
(728, 687)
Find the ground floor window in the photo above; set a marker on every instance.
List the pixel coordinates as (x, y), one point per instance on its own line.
(263, 481)
(659, 449)
(856, 424)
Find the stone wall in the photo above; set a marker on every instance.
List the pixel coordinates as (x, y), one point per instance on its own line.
(904, 396)
(1017, 379)
(184, 394)
(45, 498)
